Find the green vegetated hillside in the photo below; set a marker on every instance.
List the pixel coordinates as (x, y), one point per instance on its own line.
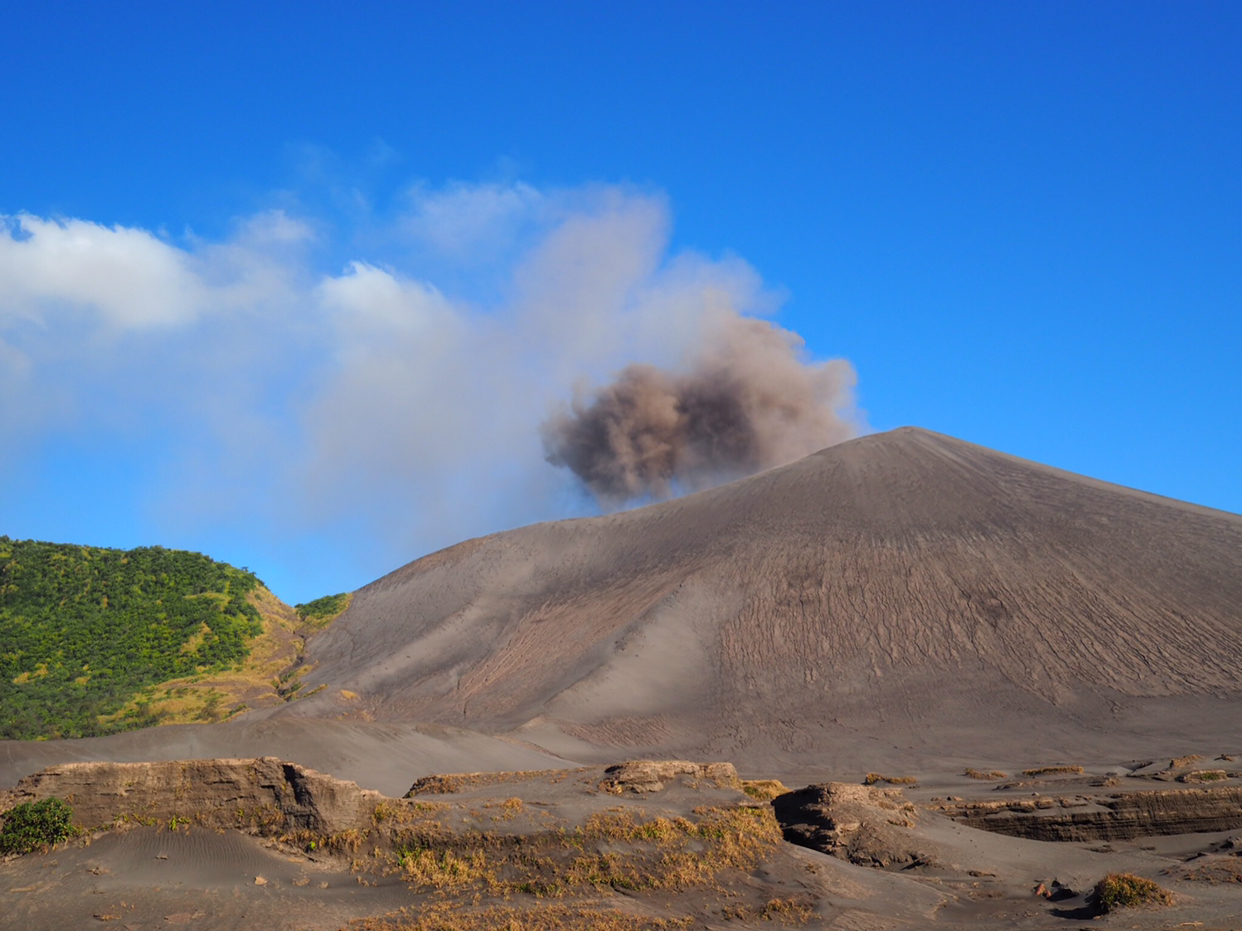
(322, 611)
(84, 630)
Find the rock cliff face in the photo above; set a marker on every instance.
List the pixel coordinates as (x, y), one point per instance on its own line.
(263, 793)
(1112, 816)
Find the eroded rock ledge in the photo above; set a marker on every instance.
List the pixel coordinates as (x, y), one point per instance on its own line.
(591, 847)
(221, 793)
(862, 824)
(651, 775)
(1106, 816)
(270, 796)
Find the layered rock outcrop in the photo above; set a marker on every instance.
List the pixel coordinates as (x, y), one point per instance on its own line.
(1111, 816)
(263, 793)
(651, 775)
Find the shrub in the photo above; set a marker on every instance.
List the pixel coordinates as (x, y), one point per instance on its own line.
(1125, 890)
(33, 826)
(323, 611)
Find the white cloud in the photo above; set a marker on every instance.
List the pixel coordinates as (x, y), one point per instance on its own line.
(130, 277)
(472, 222)
(368, 303)
(366, 402)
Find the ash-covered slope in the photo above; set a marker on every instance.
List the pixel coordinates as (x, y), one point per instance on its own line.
(903, 590)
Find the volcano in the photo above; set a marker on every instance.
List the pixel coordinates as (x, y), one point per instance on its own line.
(901, 594)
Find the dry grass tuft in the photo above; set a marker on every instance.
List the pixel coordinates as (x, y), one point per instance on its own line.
(544, 917)
(990, 774)
(672, 854)
(786, 911)
(340, 843)
(612, 849)
(1203, 775)
(510, 808)
(1125, 890)
(876, 778)
(451, 783)
(537, 876)
(391, 816)
(763, 789)
(1053, 771)
(1179, 761)
(446, 869)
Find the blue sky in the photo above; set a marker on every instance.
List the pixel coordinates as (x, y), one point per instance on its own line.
(294, 284)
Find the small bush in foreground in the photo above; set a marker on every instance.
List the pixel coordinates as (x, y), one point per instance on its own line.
(1125, 890)
(33, 826)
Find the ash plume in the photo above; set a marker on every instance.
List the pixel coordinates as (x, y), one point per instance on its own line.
(745, 401)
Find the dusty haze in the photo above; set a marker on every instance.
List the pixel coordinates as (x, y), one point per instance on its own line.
(746, 401)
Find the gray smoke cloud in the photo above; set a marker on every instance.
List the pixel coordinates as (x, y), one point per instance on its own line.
(744, 401)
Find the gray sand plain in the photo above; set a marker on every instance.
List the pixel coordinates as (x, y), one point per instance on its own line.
(904, 604)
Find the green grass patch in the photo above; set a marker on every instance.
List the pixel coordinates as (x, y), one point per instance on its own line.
(325, 610)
